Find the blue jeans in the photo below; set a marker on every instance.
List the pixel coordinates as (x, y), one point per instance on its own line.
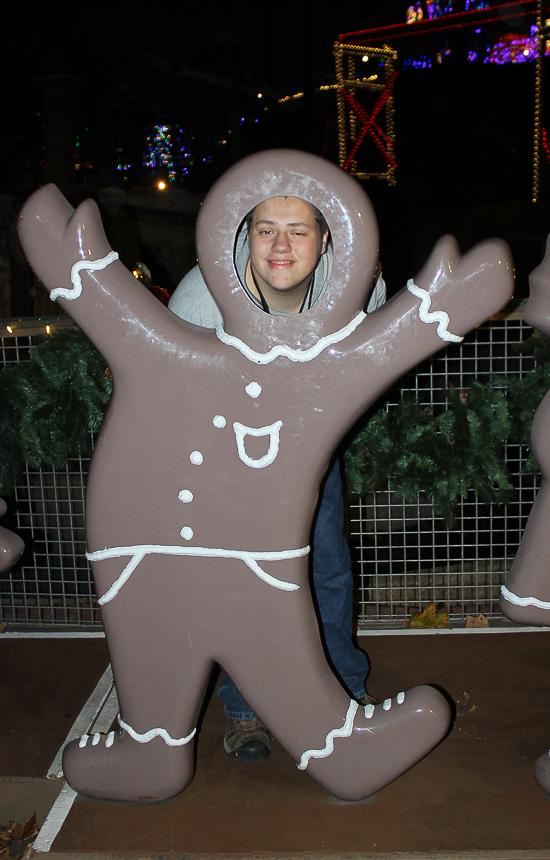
(333, 595)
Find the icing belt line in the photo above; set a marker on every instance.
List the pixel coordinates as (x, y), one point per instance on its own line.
(86, 265)
(523, 601)
(427, 316)
(344, 732)
(251, 559)
(288, 351)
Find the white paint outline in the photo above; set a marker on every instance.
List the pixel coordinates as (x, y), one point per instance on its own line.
(86, 265)
(328, 749)
(288, 351)
(271, 430)
(146, 737)
(523, 601)
(253, 389)
(251, 559)
(427, 316)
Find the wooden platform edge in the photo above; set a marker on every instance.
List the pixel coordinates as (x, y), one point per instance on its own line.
(503, 854)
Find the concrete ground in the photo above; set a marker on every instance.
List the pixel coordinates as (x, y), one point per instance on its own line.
(474, 796)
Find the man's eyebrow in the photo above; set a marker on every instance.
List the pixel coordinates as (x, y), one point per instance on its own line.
(288, 223)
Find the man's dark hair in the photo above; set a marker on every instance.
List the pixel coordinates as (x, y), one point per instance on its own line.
(317, 214)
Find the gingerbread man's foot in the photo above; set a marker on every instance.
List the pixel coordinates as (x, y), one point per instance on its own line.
(378, 743)
(529, 609)
(542, 772)
(119, 767)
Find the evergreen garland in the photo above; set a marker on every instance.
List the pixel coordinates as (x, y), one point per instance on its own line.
(51, 405)
(441, 453)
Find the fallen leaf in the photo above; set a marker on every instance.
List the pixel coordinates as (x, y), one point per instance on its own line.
(428, 618)
(480, 621)
(30, 828)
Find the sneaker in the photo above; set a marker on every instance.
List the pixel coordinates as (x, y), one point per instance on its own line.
(368, 700)
(247, 740)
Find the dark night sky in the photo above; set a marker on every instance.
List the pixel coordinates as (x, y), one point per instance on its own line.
(137, 69)
(464, 133)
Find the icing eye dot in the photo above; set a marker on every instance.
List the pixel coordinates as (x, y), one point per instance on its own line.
(253, 389)
(219, 421)
(186, 533)
(185, 496)
(196, 458)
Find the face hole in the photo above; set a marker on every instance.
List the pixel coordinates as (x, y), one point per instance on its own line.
(281, 255)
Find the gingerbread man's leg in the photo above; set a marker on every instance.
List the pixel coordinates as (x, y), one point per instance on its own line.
(350, 750)
(525, 595)
(158, 642)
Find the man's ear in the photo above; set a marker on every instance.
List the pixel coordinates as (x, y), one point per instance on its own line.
(324, 243)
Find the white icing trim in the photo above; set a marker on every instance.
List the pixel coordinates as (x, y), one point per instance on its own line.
(155, 733)
(109, 739)
(387, 704)
(400, 698)
(523, 601)
(86, 265)
(96, 739)
(369, 711)
(251, 559)
(271, 430)
(83, 741)
(344, 732)
(253, 389)
(428, 316)
(287, 351)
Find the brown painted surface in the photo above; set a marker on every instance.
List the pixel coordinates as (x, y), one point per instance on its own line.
(45, 684)
(475, 791)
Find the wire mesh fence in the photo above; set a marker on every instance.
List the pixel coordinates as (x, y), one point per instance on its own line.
(404, 557)
(53, 583)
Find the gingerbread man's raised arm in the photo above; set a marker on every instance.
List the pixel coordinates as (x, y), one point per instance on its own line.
(449, 297)
(70, 253)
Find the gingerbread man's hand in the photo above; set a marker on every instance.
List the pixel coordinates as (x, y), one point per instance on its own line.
(11, 545)
(70, 253)
(449, 296)
(60, 242)
(467, 290)
(537, 309)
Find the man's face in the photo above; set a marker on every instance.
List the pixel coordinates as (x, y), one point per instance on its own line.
(285, 247)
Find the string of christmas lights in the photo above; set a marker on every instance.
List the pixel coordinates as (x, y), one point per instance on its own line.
(369, 126)
(351, 112)
(459, 20)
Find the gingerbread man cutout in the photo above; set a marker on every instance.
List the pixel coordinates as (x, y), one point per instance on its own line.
(525, 596)
(11, 545)
(206, 473)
